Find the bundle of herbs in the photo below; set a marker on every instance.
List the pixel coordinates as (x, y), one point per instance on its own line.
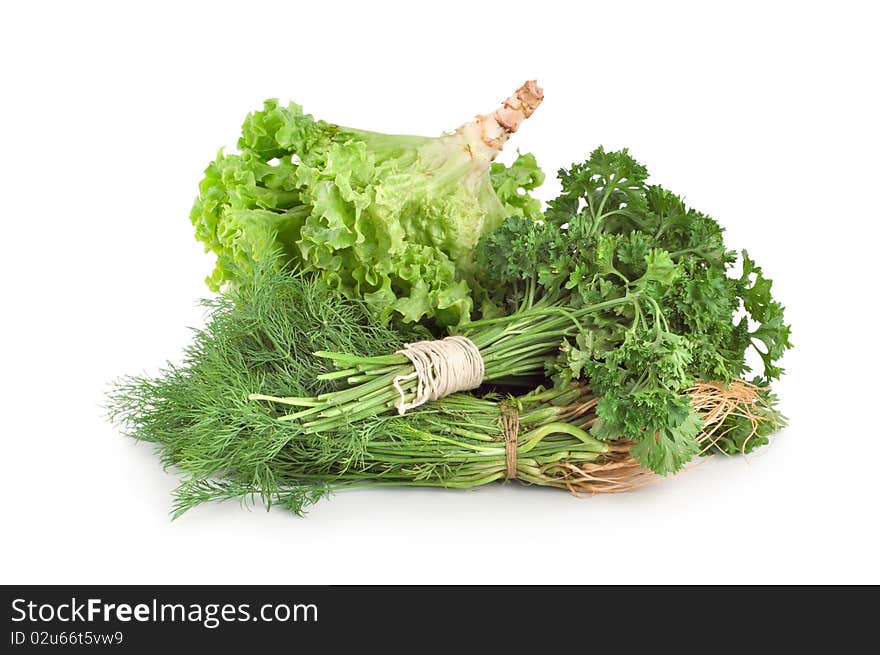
(397, 310)
(262, 333)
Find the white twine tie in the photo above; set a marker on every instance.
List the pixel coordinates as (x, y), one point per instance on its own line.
(442, 367)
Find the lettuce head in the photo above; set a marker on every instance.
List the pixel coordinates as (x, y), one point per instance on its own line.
(389, 219)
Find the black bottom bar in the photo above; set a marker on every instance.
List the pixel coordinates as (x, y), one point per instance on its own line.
(419, 618)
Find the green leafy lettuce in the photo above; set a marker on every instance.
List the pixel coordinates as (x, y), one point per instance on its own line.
(392, 220)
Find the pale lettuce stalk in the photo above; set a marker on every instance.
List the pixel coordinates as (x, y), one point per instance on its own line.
(390, 219)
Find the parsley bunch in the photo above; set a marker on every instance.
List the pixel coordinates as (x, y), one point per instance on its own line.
(675, 313)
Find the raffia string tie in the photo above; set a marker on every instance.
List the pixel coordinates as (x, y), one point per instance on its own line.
(510, 430)
(442, 367)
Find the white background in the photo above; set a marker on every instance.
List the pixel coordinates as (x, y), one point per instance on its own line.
(763, 114)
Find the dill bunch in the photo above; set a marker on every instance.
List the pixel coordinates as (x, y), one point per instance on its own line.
(260, 333)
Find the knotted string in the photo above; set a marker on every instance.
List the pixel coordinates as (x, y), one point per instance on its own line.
(442, 367)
